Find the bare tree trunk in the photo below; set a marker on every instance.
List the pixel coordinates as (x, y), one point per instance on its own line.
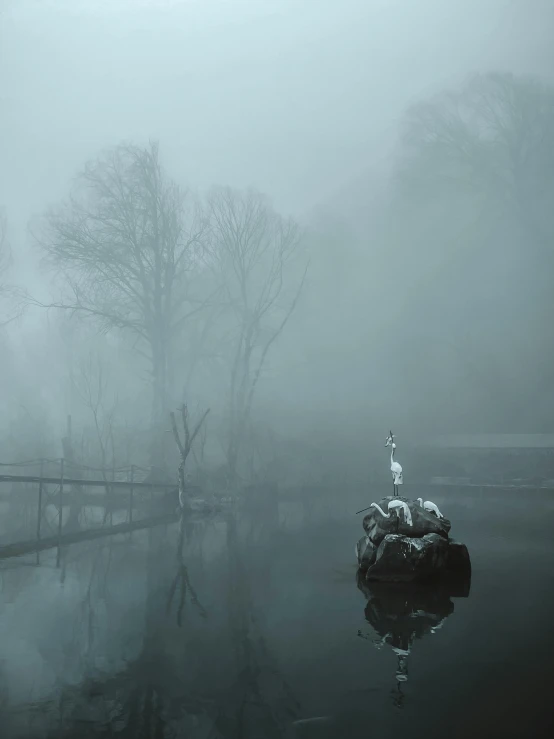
(160, 405)
(75, 503)
(252, 246)
(185, 446)
(140, 287)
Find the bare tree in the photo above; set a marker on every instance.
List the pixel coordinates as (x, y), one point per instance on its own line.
(475, 173)
(251, 248)
(491, 140)
(9, 295)
(91, 385)
(4, 251)
(127, 246)
(4, 246)
(185, 446)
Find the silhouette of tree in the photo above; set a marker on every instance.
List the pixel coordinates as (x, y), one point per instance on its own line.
(127, 246)
(491, 140)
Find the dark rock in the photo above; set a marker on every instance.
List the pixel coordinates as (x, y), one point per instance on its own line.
(413, 545)
(459, 583)
(458, 560)
(378, 526)
(365, 553)
(405, 558)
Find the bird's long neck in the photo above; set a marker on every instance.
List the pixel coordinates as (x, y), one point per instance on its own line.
(381, 511)
(392, 454)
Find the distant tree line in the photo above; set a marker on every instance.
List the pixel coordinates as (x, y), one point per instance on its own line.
(470, 220)
(202, 287)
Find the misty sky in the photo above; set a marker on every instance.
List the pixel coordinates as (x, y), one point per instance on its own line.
(297, 97)
(300, 98)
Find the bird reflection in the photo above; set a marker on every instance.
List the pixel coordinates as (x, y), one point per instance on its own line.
(400, 614)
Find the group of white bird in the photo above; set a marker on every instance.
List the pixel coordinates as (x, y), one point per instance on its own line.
(397, 479)
(397, 505)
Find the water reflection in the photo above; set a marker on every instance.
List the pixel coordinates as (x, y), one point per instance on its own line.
(200, 664)
(181, 583)
(105, 654)
(400, 614)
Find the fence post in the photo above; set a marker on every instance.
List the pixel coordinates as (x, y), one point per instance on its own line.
(60, 512)
(39, 512)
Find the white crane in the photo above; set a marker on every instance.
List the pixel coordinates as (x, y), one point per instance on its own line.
(430, 507)
(395, 467)
(395, 505)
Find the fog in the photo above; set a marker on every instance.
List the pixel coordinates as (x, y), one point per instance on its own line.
(305, 105)
(313, 219)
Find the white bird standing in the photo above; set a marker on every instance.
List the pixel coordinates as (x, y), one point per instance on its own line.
(430, 507)
(395, 467)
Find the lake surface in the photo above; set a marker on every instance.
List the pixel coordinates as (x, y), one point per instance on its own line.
(274, 630)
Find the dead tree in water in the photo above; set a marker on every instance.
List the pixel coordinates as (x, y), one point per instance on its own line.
(184, 448)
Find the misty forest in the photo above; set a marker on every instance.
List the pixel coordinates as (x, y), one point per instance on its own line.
(240, 241)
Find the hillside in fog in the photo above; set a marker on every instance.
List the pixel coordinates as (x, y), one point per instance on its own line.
(445, 258)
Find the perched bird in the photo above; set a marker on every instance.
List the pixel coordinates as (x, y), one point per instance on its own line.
(395, 505)
(430, 507)
(395, 467)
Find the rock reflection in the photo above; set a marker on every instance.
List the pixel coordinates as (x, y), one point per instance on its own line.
(400, 614)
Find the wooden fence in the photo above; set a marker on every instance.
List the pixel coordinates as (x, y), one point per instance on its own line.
(55, 482)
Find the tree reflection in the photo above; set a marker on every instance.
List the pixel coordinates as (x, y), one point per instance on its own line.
(181, 582)
(259, 702)
(189, 675)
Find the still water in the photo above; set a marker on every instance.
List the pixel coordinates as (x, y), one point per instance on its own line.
(259, 626)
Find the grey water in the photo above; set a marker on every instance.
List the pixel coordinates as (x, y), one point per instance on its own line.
(260, 631)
